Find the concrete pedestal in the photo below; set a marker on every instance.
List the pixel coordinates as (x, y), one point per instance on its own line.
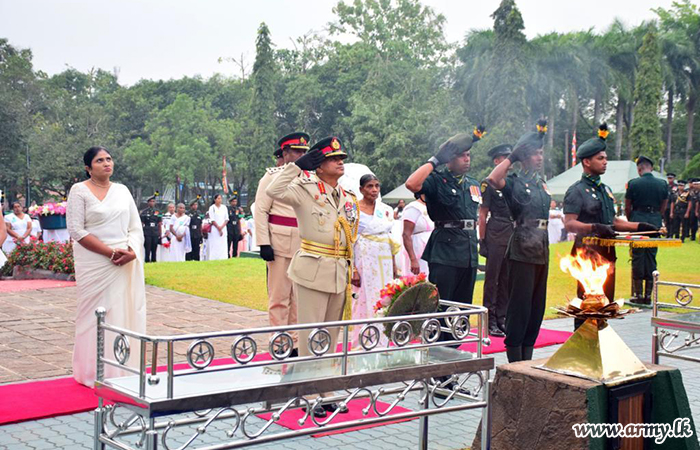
(535, 409)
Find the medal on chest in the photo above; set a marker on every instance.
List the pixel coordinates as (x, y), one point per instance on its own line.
(350, 211)
(475, 194)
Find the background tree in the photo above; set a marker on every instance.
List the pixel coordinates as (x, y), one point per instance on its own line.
(645, 134)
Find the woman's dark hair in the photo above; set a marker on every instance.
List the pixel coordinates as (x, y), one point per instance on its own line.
(12, 205)
(367, 178)
(90, 155)
(213, 200)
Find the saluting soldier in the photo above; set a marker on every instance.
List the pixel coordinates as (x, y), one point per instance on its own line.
(672, 191)
(452, 199)
(589, 209)
(328, 217)
(233, 227)
(195, 230)
(680, 211)
(528, 250)
(152, 223)
(646, 197)
(277, 234)
(495, 229)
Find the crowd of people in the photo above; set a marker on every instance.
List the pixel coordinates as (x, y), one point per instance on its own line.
(329, 250)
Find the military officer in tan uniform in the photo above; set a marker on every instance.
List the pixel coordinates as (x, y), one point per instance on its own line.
(328, 217)
(277, 235)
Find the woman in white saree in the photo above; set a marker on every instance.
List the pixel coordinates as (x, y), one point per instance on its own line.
(417, 228)
(217, 241)
(179, 234)
(104, 222)
(373, 252)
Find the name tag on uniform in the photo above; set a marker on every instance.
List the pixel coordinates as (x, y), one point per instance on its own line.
(475, 193)
(194, 227)
(153, 224)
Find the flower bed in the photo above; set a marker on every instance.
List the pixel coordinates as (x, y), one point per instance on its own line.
(52, 256)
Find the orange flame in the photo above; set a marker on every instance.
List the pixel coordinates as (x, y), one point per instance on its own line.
(591, 270)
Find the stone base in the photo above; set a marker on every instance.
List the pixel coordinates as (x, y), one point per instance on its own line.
(23, 273)
(535, 409)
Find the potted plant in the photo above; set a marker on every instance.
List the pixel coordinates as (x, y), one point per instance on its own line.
(52, 216)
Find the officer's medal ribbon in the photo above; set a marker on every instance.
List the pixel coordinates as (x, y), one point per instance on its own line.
(475, 193)
(350, 211)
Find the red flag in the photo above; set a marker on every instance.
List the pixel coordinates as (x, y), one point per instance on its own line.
(573, 150)
(224, 182)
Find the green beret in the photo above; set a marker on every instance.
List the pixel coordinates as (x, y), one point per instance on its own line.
(594, 145)
(500, 150)
(643, 159)
(463, 141)
(533, 140)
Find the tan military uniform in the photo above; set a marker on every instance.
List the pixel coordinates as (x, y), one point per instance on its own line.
(320, 268)
(276, 225)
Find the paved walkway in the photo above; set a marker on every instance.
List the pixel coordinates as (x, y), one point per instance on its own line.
(37, 327)
(170, 312)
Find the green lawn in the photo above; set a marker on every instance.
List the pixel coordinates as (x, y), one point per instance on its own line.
(241, 281)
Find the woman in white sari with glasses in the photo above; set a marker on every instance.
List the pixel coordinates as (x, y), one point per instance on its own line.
(105, 225)
(373, 253)
(179, 234)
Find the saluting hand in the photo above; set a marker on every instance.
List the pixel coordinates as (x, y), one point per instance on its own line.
(311, 160)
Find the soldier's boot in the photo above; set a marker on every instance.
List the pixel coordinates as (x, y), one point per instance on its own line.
(527, 353)
(637, 292)
(514, 354)
(648, 289)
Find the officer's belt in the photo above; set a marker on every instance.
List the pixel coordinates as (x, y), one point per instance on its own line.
(648, 209)
(501, 219)
(533, 223)
(316, 248)
(464, 224)
(282, 220)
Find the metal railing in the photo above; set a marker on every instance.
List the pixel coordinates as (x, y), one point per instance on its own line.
(666, 331)
(437, 382)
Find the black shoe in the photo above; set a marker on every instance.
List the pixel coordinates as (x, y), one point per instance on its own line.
(295, 353)
(332, 407)
(495, 331)
(502, 325)
(319, 411)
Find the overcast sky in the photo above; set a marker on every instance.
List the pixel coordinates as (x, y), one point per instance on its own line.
(163, 39)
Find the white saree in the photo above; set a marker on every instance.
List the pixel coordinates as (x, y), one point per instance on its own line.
(119, 289)
(181, 226)
(373, 257)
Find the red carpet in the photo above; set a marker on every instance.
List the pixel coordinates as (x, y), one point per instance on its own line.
(40, 399)
(30, 285)
(289, 419)
(544, 339)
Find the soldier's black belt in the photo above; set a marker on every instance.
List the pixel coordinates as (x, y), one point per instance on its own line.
(533, 223)
(647, 209)
(465, 224)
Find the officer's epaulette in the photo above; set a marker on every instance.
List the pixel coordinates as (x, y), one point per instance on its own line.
(306, 177)
(272, 170)
(350, 193)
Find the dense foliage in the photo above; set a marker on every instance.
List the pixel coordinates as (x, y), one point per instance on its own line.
(392, 94)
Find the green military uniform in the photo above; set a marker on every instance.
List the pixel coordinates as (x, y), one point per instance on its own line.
(499, 228)
(693, 217)
(646, 195)
(672, 191)
(681, 203)
(196, 219)
(592, 202)
(150, 221)
(528, 258)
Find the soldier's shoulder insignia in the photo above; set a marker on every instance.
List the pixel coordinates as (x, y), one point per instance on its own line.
(272, 170)
(306, 177)
(484, 186)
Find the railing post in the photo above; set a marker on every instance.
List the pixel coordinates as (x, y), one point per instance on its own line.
(152, 435)
(344, 362)
(142, 368)
(423, 424)
(100, 371)
(171, 369)
(654, 313)
(486, 417)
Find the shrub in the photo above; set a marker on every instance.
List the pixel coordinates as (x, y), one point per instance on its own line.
(35, 254)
